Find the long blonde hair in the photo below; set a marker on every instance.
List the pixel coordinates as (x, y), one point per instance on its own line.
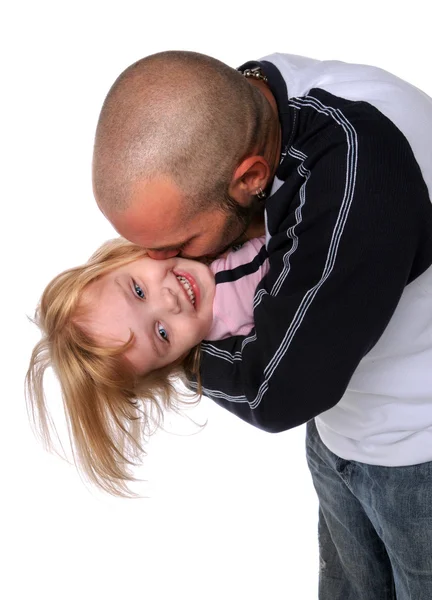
(109, 409)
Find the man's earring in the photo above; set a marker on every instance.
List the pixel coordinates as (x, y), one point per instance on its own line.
(260, 194)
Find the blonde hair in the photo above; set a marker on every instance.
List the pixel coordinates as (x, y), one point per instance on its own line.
(109, 409)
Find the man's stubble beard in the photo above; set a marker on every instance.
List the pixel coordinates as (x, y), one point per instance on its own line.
(239, 219)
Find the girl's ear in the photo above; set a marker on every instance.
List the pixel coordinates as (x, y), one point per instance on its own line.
(189, 360)
(193, 359)
(179, 362)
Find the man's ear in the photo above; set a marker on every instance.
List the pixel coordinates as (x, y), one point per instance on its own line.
(250, 176)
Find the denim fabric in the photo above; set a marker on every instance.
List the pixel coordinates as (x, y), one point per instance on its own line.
(375, 527)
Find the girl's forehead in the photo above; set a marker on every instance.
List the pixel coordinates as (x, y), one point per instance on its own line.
(100, 297)
(105, 311)
(94, 290)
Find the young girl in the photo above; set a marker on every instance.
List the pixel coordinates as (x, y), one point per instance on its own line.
(118, 331)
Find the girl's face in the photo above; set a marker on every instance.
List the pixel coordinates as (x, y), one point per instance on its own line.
(167, 304)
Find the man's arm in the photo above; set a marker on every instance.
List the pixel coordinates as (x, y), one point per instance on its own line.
(339, 263)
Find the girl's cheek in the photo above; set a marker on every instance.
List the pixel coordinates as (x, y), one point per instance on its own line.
(208, 325)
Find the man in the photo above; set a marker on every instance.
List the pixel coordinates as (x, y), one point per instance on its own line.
(186, 149)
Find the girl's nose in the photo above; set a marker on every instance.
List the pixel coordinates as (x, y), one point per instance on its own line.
(170, 300)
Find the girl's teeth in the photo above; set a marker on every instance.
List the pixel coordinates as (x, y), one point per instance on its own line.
(187, 287)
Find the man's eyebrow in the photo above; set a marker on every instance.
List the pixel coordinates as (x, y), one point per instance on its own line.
(169, 248)
(157, 350)
(178, 246)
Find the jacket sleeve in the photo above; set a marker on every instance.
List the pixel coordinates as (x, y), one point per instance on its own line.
(340, 259)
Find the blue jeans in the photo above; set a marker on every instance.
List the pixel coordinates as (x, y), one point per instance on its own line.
(375, 527)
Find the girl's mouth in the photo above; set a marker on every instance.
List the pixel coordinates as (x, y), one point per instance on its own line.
(189, 286)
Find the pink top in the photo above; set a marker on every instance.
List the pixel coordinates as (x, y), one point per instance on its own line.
(236, 283)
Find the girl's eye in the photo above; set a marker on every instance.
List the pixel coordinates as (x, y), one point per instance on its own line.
(138, 290)
(162, 332)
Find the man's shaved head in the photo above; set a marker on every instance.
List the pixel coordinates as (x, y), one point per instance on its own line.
(182, 116)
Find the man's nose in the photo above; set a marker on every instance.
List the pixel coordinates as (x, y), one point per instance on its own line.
(170, 300)
(162, 254)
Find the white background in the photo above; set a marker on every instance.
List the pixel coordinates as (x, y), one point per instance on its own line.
(232, 512)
